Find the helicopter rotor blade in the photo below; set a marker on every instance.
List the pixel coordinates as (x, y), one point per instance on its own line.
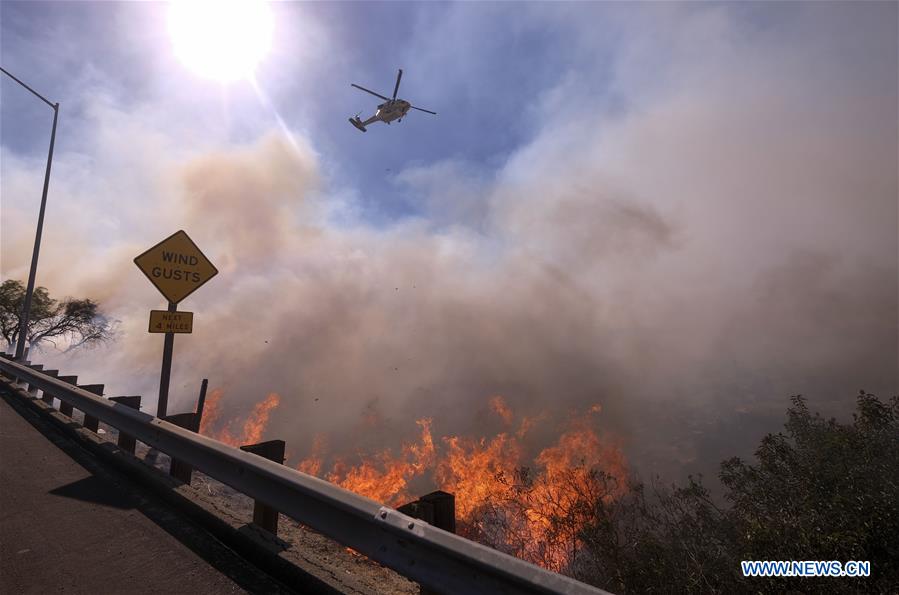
(397, 87)
(370, 91)
(423, 110)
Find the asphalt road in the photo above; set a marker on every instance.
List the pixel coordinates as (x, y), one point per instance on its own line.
(69, 525)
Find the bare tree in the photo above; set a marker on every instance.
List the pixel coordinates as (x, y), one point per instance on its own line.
(66, 324)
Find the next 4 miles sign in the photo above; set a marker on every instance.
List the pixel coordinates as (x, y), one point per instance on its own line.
(162, 321)
(177, 268)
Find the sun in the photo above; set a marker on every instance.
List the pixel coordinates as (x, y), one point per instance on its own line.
(222, 40)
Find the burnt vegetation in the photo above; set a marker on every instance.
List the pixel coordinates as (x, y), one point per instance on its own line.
(819, 490)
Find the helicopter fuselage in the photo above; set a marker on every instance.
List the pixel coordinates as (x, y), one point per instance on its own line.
(392, 110)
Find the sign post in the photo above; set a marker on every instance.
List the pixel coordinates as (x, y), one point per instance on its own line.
(167, 348)
(177, 268)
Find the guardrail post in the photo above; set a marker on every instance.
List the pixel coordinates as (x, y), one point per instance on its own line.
(444, 505)
(90, 422)
(437, 509)
(189, 421)
(64, 407)
(201, 400)
(264, 515)
(419, 510)
(48, 398)
(7, 356)
(15, 378)
(32, 390)
(126, 441)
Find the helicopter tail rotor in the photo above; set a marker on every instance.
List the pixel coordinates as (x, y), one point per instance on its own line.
(357, 123)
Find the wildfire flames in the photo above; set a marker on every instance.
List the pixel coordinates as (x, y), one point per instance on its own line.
(253, 428)
(532, 511)
(313, 464)
(385, 478)
(499, 407)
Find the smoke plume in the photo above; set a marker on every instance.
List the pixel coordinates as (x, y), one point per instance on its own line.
(727, 240)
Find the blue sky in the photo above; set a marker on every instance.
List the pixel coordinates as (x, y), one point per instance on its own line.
(458, 60)
(663, 207)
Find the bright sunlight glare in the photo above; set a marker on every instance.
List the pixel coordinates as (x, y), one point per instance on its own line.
(222, 40)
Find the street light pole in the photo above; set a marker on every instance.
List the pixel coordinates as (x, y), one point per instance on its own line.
(29, 291)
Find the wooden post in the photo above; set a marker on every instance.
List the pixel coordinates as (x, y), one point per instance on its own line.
(167, 347)
(419, 510)
(201, 401)
(264, 515)
(92, 423)
(179, 469)
(32, 390)
(444, 505)
(437, 509)
(64, 407)
(126, 441)
(45, 396)
(15, 378)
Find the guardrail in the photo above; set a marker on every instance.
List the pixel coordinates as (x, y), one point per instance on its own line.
(434, 558)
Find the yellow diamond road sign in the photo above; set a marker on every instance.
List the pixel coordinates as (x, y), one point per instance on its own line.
(176, 267)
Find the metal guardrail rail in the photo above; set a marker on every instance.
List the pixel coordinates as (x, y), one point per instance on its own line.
(432, 557)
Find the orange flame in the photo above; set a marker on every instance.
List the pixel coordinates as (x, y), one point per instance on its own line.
(211, 411)
(535, 513)
(498, 405)
(253, 428)
(527, 424)
(559, 501)
(385, 479)
(312, 465)
(477, 472)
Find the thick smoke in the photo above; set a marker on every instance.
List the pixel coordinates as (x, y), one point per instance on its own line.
(687, 264)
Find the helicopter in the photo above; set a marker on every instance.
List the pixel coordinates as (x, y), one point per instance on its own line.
(392, 108)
